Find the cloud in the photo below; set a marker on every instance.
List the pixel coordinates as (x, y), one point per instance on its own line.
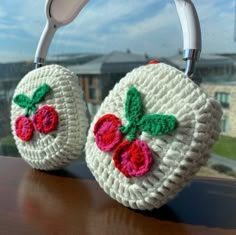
(103, 15)
(28, 17)
(105, 26)
(8, 56)
(2, 12)
(112, 26)
(217, 23)
(150, 26)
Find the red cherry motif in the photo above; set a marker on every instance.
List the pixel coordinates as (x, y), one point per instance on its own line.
(133, 159)
(24, 128)
(107, 133)
(45, 119)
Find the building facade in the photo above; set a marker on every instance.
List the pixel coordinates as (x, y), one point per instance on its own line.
(214, 73)
(98, 76)
(210, 68)
(225, 94)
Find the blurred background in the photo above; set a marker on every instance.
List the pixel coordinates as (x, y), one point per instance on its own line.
(109, 39)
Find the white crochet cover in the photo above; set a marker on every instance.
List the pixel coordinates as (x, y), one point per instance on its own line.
(65, 141)
(177, 155)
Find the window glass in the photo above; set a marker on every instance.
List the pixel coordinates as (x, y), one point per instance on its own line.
(223, 98)
(225, 124)
(109, 39)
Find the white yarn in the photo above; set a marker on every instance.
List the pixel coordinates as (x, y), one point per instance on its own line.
(178, 155)
(58, 148)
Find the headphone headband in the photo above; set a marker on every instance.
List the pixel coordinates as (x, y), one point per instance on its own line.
(191, 33)
(189, 22)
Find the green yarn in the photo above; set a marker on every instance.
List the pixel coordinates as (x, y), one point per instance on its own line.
(153, 124)
(22, 100)
(157, 124)
(30, 104)
(133, 112)
(40, 93)
(133, 105)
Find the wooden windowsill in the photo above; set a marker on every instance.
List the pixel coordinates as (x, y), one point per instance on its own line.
(70, 201)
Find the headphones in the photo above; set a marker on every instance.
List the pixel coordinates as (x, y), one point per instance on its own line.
(155, 129)
(150, 136)
(49, 117)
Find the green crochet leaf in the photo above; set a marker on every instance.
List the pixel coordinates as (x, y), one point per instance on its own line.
(25, 102)
(133, 105)
(157, 124)
(153, 124)
(22, 100)
(40, 93)
(133, 113)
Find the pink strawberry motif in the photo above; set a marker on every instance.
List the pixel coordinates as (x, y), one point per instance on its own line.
(45, 119)
(24, 128)
(107, 133)
(133, 159)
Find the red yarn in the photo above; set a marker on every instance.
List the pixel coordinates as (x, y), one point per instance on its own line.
(133, 159)
(24, 128)
(45, 120)
(153, 62)
(107, 133)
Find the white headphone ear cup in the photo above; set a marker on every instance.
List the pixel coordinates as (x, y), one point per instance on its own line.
(177, 155)
(49, 151)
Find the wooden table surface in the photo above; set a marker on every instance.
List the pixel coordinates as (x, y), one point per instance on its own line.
(70, 201)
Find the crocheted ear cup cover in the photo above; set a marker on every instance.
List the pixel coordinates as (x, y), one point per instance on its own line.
(48, 117)
(150, 136)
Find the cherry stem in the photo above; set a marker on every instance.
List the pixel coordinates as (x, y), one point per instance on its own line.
(130, 130)
(30, 108)
(30, 104)
(27, 112)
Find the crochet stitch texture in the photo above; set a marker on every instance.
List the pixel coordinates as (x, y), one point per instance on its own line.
(45, 119)
(131, 156)
(59, 147)
(24, 128)
(177, 155)
(133, 159)
(153, 124)
(107, 133)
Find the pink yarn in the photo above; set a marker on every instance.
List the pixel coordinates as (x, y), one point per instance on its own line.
(133, 159)
(24, 128)
(46, 119)
(107, 133)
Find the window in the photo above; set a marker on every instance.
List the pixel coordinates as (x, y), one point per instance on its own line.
(86, 47)
(93, 108)
(223, 98)
(91, 88)
(225, 124)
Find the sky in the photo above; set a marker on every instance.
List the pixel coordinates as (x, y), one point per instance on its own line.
(150, 26)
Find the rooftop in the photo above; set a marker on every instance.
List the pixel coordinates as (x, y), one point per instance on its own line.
(222, 83)
(205, 60)
(115, 62)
